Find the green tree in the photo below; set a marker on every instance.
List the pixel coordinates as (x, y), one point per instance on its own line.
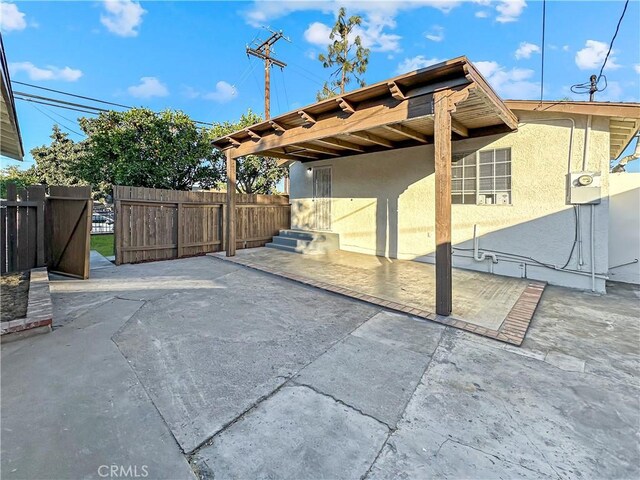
(22, 178)
(145, 149)
(254, 173)
(58, 163)
(350, 57)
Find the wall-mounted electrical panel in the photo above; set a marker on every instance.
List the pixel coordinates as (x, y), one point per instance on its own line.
(584, 188)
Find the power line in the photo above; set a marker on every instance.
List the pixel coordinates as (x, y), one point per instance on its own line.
(55, 105)
(591, 87)
(63, 102)
(78, 96)
(544, 22)
(57, 122)
(71, 94)
(624, 10)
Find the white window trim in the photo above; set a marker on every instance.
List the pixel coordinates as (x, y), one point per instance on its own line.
(461, 193)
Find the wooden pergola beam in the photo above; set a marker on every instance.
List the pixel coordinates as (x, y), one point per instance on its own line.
(395, 91)
(346, 106)
(342, 143)
(277, 127)
(316, 148)
(308, 118)
(377, 115)
(370, 137)
(408, 132)
(457, 127)
(252, 134)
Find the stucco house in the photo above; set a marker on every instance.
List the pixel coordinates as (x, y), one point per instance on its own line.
(526, 183)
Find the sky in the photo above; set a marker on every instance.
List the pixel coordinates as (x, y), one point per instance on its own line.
(191, 55)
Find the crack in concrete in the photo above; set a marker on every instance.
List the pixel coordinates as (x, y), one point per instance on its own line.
(391, 432)
(341, 402)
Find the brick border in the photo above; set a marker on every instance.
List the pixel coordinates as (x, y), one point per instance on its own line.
(512, 330)
(39, 307)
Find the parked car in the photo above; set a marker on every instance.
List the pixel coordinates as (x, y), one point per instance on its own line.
(101, 223)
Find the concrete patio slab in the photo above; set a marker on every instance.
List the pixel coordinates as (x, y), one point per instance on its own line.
(296, 434)
(70, 404)
(207, 356)
(480, 298)
(371, 377)
(527, 414)
(401, 331)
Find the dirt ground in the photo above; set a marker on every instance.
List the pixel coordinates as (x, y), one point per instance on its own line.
(14, 289)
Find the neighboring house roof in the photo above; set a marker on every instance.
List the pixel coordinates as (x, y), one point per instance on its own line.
(10, 138)
(623, 124)
(395, 113)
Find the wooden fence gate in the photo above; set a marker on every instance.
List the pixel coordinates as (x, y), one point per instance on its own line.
(156, 224)
(40, 229)
(23, 229)
(69, 213)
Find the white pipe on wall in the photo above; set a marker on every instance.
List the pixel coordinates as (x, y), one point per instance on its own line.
(587, 136)
(579, 229)
(593, 250)
(481, 257)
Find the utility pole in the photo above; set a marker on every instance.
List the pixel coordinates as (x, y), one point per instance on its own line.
(263, 52)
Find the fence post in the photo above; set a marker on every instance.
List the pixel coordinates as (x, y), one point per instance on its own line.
(12, 228)
(180, 228)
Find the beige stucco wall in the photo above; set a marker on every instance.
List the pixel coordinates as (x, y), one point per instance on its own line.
(383, 203)
(624, 227)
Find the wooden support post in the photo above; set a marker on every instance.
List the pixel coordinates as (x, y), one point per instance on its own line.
(180, 240)
(231, 205)
(442, 153)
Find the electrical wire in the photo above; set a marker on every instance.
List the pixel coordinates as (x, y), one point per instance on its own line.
(78, 96)
(57, 122)
(544, 23)
(63, 102)
(592, 85)
(284, 85)
(71, 94)
(55, 105)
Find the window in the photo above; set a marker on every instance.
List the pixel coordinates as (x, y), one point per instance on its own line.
(481, 178)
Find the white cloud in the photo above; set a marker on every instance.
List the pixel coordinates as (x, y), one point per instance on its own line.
(317, 34)
(122, 17)
(148, 87)
(565, 48)
(482, 14)
(436, 34)
(526, 49)
(11, 18)
(49, 72)
(637, 68)
(414, 63)
(510, 10)
(512, 83)
(593, 55)
(223, 93)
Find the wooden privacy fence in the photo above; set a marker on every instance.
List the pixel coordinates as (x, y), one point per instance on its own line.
(155, 224)
(40, 229)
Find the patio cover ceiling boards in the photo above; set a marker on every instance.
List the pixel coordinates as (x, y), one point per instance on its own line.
(11, 144)
(395, 113)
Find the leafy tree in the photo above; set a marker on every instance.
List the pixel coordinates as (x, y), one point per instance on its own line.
(348, 54)
(254, 173)
(144, 149)
(22, 178)
(58, 163)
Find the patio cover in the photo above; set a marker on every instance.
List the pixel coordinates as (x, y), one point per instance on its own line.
(11, 144)
(438, 104)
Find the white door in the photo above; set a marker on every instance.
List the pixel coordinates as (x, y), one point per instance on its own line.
(322, 197)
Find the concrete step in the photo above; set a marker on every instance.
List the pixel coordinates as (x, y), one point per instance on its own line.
(291, 241)
(285, 248)
(305, 241)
